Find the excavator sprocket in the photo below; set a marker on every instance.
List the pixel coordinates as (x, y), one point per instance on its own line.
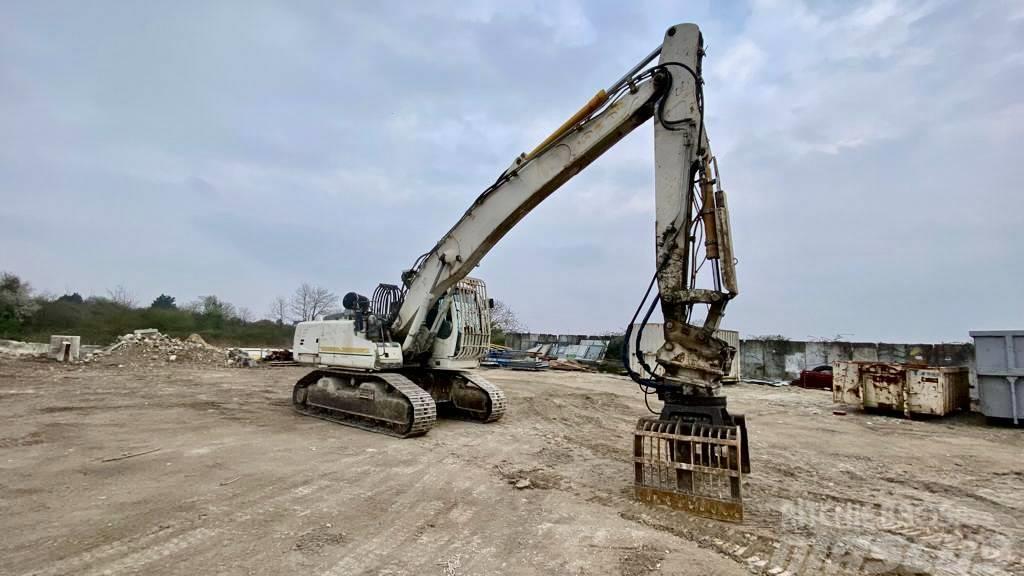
(383, 402)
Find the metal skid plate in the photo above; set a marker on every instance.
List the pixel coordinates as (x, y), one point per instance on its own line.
(690, 466)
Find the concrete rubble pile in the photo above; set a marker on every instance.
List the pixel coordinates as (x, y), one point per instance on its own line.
(144, 348)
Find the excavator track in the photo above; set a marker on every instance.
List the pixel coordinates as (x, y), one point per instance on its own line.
(498, 402)
(382, 402)
(461, 395)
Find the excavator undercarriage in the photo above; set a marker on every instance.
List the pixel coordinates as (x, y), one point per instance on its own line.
(402, 404)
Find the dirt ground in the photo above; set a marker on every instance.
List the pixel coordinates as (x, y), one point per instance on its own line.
(237, 483)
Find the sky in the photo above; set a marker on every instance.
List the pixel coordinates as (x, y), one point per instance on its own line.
(871, 151)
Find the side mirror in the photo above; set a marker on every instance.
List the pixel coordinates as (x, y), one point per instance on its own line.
(490, 303)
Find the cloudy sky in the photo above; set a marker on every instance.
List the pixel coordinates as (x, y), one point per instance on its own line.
(872, 152)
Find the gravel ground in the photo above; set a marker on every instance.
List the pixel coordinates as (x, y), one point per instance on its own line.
(230, 481)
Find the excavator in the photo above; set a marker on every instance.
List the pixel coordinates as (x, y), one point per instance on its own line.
(393, 362)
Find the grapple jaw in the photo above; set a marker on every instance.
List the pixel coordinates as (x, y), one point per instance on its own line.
(692, 466)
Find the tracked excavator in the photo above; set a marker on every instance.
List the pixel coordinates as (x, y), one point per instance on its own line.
(393, 362)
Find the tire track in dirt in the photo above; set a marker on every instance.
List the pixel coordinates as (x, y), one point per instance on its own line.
(368, 498)
(190, 538)
(415, 510)
(164, 530)
(448, 550)
(173, 538)
(430, 533)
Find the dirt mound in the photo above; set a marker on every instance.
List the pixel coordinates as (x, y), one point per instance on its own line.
(156, 349)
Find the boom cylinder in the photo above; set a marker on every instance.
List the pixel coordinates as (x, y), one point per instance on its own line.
(707, 212)
(589, 108)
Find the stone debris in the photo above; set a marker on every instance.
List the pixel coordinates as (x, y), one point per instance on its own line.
(146, 348)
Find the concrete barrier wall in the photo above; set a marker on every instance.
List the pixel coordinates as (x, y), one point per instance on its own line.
(527, 340)
(18, 348)
(775, 359)
(780, 359)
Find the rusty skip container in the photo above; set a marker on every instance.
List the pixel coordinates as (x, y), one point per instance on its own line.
(910, 389)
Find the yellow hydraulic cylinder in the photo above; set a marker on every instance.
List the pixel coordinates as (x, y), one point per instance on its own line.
(707, 212)
(589, 108)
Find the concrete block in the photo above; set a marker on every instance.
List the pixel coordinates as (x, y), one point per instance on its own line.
(65, 348)
(865, 353)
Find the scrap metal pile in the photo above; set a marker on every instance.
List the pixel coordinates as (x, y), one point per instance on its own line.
(512, 359)
(558, 356)
(585, 351)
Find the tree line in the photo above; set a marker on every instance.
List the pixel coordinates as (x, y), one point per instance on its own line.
(31, 316)
(27, 315)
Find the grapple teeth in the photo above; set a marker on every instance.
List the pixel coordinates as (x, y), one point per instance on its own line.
(689, 466)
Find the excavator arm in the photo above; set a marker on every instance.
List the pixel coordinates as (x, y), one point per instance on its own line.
(671, 93)
(519, 189)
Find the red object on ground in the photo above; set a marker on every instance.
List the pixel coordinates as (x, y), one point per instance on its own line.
(816, 379)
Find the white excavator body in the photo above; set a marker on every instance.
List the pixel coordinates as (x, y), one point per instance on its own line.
(336, 343)
(461, 339)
